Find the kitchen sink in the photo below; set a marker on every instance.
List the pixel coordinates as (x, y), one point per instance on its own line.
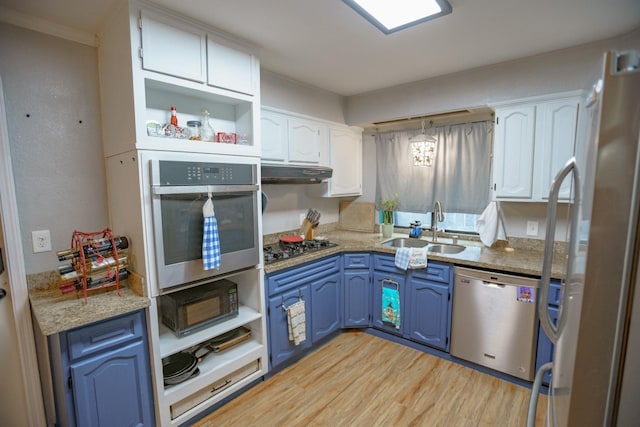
(442, 248)
(436, 248)
(405, 242)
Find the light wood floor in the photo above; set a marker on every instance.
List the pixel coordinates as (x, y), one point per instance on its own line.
(361, 380)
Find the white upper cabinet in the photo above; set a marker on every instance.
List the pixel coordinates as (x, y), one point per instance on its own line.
(151, 60)
(533, 141)
(274, 136)
(513, 152)
(345, 158)
(231, 68)
(346, 161)
(557, 130)
(305, 137)
(171, 48)
(292, 139)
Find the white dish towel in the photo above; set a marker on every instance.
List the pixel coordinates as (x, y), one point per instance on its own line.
(490, 225)
(411, 258)
(296, 322)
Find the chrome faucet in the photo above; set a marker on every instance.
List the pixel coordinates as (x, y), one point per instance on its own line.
(436, 216)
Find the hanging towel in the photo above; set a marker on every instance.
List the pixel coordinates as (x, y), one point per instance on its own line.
(411, 258)
(418, 258)
(403, 255)
(296, 322)
(210, 238)
(391, 306)
(490, 225)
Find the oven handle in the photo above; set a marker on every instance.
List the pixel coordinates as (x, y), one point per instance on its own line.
(192, 189)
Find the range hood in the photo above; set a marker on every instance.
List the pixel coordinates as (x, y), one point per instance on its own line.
(281, 174)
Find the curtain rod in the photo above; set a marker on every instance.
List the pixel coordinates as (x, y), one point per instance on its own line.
(376, 130)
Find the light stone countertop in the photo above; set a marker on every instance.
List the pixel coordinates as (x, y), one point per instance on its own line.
(56, 312)
(509, 259)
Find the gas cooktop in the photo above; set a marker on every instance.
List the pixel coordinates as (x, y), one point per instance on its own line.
(280, 251)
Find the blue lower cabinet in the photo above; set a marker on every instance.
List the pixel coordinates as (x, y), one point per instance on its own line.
(102, 374)
(109, 390)
(428, 321)
(357, 300)
(388, 306)
(280, 347)
(326, 306)
(319, 284)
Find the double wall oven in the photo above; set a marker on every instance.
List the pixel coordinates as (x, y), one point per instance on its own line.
(179, 189)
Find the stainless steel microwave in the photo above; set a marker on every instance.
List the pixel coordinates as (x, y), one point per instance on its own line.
(179, 190)
(195, 308)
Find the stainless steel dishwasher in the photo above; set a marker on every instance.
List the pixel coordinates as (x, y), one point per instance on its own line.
(495, 321)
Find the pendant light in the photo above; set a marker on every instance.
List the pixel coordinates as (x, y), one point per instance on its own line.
(423, 148)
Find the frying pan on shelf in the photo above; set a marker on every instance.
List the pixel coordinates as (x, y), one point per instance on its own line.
(183, 365)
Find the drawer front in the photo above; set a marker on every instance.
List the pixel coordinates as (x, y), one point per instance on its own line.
(555, 293)
(435, 272)
(357, 260)
(386, 263)
(303, 274)
(99, 337)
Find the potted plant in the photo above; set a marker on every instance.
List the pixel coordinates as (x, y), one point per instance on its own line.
(388, 206)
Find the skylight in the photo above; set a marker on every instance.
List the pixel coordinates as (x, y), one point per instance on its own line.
(396, 15)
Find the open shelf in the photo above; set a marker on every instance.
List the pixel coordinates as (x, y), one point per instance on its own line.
(215, 366)
(228, 114)
(170, 343)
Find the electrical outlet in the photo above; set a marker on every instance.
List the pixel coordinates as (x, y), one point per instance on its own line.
(41, 240)
(532, 228)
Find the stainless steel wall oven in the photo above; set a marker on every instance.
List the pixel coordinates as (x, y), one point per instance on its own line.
(179, 190)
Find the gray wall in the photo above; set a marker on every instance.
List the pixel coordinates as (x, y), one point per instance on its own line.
(564, 70)
(51, 85)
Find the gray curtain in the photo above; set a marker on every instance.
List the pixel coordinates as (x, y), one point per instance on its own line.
(459, 177)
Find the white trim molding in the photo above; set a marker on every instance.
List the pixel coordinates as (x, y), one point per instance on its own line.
(40, 25)
(18, 278)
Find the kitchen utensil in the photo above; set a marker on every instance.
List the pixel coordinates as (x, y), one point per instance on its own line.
(265, 201)
(181, 366)
(231, 338)
(291, 239)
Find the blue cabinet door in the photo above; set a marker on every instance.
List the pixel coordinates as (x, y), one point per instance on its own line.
(544, 353)
(113, 389)
(429, 313)
(356, 298)
(325, 306)
(388, 302)
(280, 348)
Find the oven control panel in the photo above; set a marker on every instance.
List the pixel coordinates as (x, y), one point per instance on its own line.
(200, 173)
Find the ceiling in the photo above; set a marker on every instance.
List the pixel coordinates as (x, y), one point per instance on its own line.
(327, 45)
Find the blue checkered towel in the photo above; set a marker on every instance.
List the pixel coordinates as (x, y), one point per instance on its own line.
(403, 255)
(210, 238)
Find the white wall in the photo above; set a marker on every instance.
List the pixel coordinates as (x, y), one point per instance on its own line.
(287, 94)
(564, 70)
(51, 96)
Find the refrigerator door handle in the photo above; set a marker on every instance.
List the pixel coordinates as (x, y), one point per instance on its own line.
(535, 392)
(551, 330)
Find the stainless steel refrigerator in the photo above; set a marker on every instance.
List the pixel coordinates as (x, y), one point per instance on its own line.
(594, 373)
